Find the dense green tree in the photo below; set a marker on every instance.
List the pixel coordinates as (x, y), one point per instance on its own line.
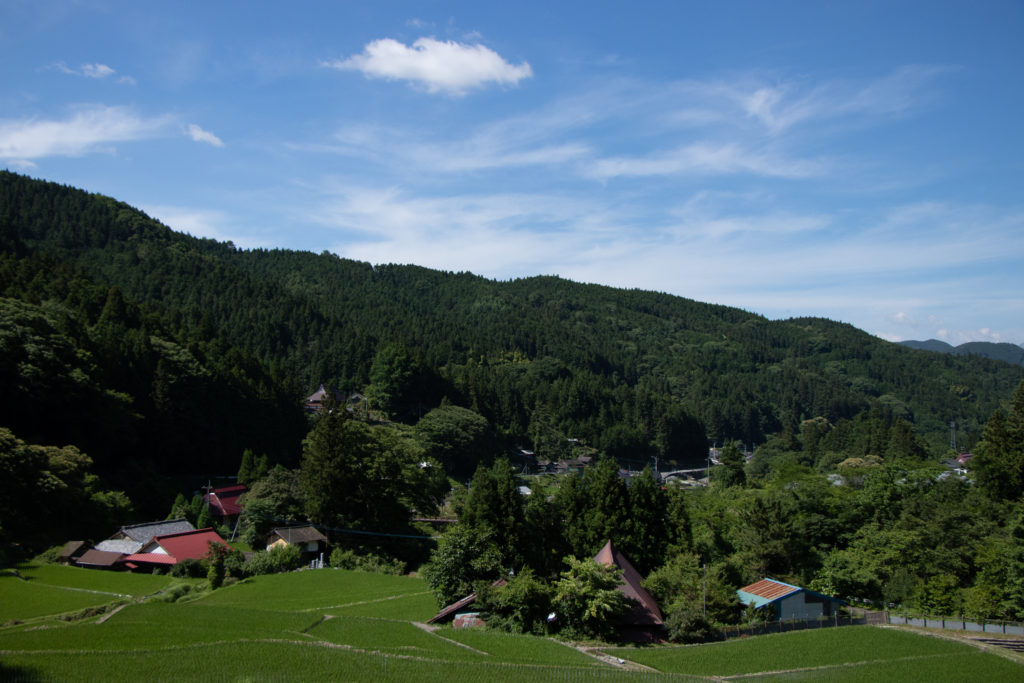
(48, 495)
(520, 606)
(731, 471)
(587, 600)
(458, 438)
(494, 508)
(999, 461)
(463, 559)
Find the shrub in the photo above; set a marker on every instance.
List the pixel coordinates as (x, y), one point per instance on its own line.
(520, 606)
(277, 559)
(344, 558)
(687, 624)
(189, 568)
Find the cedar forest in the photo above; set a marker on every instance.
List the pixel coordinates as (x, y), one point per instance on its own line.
(137, 363)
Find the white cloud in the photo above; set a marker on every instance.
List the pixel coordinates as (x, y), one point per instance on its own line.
(210, 223)
(200, 135)
(703, 158)
(89, 129)
(439, 66)
(96, 70)
(23, 164)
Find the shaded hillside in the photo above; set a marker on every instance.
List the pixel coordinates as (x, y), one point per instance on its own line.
(1008, 353)
(636, 374)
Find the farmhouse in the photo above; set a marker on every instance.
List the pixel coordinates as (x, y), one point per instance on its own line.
(223, 503)
(308, 538)
(170, 549)
(789, 602)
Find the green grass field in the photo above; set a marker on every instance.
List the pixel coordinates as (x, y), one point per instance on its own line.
(849, 653)
(353, 626)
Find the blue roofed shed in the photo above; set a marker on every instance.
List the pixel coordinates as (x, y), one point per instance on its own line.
(790, 602)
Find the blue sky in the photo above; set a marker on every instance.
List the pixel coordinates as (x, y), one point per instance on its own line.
(859, 161)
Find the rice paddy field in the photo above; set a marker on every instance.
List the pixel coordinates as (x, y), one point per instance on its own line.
(70, 624)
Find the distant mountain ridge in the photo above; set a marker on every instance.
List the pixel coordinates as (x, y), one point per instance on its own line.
(1009, 353)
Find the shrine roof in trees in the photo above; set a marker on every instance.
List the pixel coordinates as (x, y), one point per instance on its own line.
(645, 611)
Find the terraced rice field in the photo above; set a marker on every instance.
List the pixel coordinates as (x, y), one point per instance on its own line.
(340, 625)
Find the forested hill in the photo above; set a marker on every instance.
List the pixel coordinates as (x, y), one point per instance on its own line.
(194, 349)
(1010, 353)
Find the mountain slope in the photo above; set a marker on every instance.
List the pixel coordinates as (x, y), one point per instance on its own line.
(633, 373)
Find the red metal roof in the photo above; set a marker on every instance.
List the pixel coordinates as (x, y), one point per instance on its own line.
(151, 558)
(188, 544)
(225, 500)
(769, 589)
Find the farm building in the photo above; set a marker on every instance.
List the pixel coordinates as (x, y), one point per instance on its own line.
(309, 539)
(170, 549)
(224, 503)
(789, 602)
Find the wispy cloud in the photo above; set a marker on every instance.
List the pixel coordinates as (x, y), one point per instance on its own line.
(95, 70)
(705, 158)
(211, 223)
(439, 66)
(200, 135)
(87, 130)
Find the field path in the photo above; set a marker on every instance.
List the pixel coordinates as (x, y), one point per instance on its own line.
(432, 630)
(364, 602)
(832, 667)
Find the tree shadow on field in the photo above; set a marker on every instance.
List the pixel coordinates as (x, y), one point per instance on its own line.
(18, 674)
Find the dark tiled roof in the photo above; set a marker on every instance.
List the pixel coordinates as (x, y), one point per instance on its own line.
(143, 533)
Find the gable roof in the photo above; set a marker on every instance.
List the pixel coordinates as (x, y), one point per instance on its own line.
(646, 611)
(145, 532)
(125, 546)
(767, 591)
(224, 501)
(299, 534)
(186, 545)
(99, 558)
(71, 550)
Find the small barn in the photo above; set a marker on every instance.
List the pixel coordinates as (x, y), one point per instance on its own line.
(789, 602)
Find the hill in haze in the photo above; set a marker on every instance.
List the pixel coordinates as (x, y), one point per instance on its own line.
(1008, 353)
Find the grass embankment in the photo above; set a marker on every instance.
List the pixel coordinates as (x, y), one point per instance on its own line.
(340, 625)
